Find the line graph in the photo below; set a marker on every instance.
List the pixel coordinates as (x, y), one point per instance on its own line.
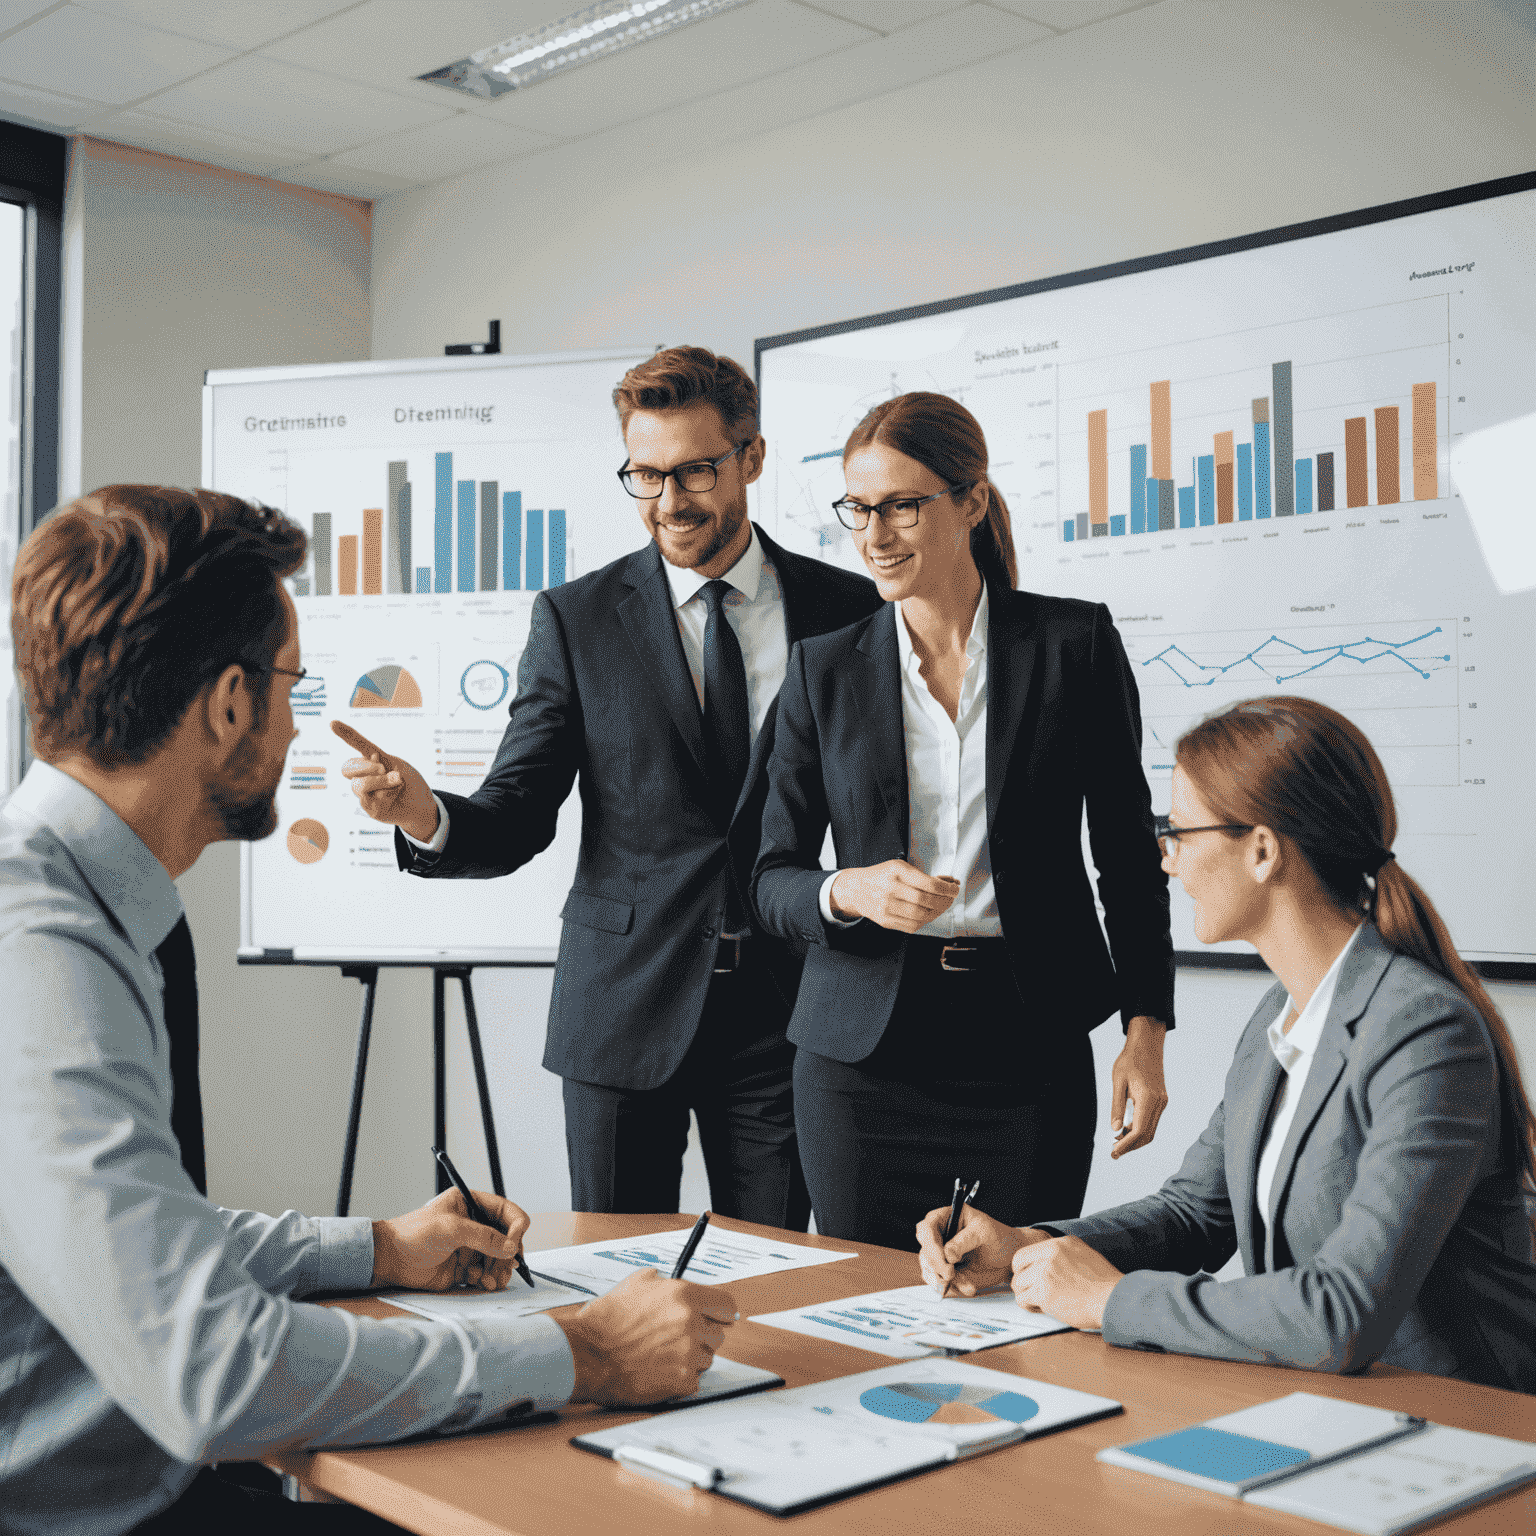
(1397, 679)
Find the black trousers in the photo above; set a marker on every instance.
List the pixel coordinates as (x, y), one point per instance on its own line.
(625, 1146)
(223, 1507)
(963, 1084)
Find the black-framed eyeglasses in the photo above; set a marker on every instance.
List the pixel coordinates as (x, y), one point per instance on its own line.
(646, 484)
(1168, 834)
(259, 666)
(900, 513)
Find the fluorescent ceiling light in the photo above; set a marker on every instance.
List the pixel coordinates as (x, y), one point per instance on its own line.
(590, 34)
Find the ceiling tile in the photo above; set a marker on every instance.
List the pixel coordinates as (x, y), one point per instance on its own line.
(699, 60)
(46, 107)
(148, 131)
(1063, 15)
(280, 103)
(102, 57)
(350, 181)
(238, 24)
(887, 15)
(14, 12)
(446, 149)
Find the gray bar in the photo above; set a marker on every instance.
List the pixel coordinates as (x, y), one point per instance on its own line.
(1165, 506)
(397, 562)
(1082, 525)
(320, 548)
(405, 537)
(1285, 463)
(490, 519)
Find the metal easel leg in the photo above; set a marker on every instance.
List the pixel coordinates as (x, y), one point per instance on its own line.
(487, 1119)
(439, 1071)
(369, 976)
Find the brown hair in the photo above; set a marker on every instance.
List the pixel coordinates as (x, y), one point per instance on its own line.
(679, 376)
(1306, 772)
(126, 602)
(944, 437)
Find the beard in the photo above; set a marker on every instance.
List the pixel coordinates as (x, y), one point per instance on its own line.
(725, 532)
(245, 801)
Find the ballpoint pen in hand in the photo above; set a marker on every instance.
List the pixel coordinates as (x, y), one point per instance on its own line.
(694, 1238)
(473, 1209)
(953, 1224)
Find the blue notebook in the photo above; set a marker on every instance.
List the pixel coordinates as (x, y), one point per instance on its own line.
(1263, 1444)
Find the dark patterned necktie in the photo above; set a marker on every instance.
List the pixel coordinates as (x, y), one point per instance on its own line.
(727, 738)
(178, 965)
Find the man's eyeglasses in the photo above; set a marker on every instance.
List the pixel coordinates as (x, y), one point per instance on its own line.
(1168, 834)
(901, 513)
(646, 484)
(260, 667)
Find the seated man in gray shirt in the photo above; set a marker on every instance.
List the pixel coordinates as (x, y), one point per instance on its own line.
(145, 1332)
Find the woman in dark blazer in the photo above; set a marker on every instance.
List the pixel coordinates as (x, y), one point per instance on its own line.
(1371, 1159)
(956, 960)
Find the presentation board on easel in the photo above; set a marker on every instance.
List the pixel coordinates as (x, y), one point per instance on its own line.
(1255, 453)
(440, 496)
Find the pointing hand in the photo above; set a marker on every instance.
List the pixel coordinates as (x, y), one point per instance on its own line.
(387, 787)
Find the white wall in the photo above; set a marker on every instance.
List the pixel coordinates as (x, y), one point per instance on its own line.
(1174, 125)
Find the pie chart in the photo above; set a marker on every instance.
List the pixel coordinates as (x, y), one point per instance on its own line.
(308, 840)
(386, 688)
(947, 1402)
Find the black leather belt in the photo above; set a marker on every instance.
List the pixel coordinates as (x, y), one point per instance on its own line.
(959, 955)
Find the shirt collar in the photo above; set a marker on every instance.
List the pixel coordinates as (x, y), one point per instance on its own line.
(128, 880)
(975, 646)
(746, 575)
(1307, 1030)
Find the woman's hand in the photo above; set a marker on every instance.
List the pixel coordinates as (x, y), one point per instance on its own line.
(1138, 1076)
(977, 1257)
(1066, 1279)
(895, 894)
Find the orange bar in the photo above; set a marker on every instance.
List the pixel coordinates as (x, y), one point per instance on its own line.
(1098, 469)
(1426, 469)
(1162, 431)
(1223, 477)
(1356, 476)
(373, 552)
(1388, 480)
(346, 565)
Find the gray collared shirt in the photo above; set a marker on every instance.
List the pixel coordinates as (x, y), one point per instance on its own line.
(144, 1330)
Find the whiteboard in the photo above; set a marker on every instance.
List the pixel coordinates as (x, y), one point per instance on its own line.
(1245, 451)
(440, 496)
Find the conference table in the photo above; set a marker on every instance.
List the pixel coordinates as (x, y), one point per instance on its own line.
(533, 1482)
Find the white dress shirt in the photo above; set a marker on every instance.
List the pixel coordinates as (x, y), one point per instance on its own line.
(947, 787)
(143, 1329)
(1294, 1052)
(754, 608)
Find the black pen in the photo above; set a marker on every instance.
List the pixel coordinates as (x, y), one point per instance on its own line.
(694, 1238)
(473, 1209)
(962, 1195)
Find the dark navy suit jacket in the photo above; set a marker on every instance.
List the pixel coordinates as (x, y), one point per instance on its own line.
(604, 695)
(1063, 730)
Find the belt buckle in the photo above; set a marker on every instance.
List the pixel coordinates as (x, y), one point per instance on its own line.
(735, 965)
(955, 949)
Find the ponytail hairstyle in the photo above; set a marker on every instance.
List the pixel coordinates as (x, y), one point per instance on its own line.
(944, 437)
(1302, 769)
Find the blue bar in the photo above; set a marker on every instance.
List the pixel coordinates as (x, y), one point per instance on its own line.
(423, 578)
(1261, 467)
(442, 526)
(556, 547)
(466, 535)
(511, 540)
(1245, 482)
(1138, 489)
(1117, 525)
(1206, 470)
(534, 564)
(1303, 486)
(1068, 529)
(1186, 506)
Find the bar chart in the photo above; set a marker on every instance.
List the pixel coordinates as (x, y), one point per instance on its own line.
(481, 538)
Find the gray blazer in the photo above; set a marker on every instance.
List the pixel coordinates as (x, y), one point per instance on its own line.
(1400, 1229)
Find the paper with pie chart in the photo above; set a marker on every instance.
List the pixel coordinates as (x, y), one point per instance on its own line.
(912, 1321)
(783, 1451)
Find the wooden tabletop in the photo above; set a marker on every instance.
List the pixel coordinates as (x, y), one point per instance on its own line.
(533, 1482)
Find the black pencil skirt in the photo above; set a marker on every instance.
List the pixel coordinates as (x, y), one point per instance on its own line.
(965, 1083)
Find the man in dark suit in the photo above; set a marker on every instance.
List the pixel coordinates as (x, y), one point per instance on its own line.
(654, 681)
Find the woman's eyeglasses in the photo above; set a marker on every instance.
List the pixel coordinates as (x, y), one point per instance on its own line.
(1168, 834)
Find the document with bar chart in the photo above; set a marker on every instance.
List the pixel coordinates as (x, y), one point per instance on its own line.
(1246, 451)
(440, 497)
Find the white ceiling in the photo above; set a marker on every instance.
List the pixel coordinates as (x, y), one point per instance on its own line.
(325, 95)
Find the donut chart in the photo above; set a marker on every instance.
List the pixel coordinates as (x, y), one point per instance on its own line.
(947, 1402)
(308, 840)
(485, 684)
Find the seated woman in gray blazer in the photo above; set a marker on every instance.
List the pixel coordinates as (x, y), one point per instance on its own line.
(1372, 1157)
